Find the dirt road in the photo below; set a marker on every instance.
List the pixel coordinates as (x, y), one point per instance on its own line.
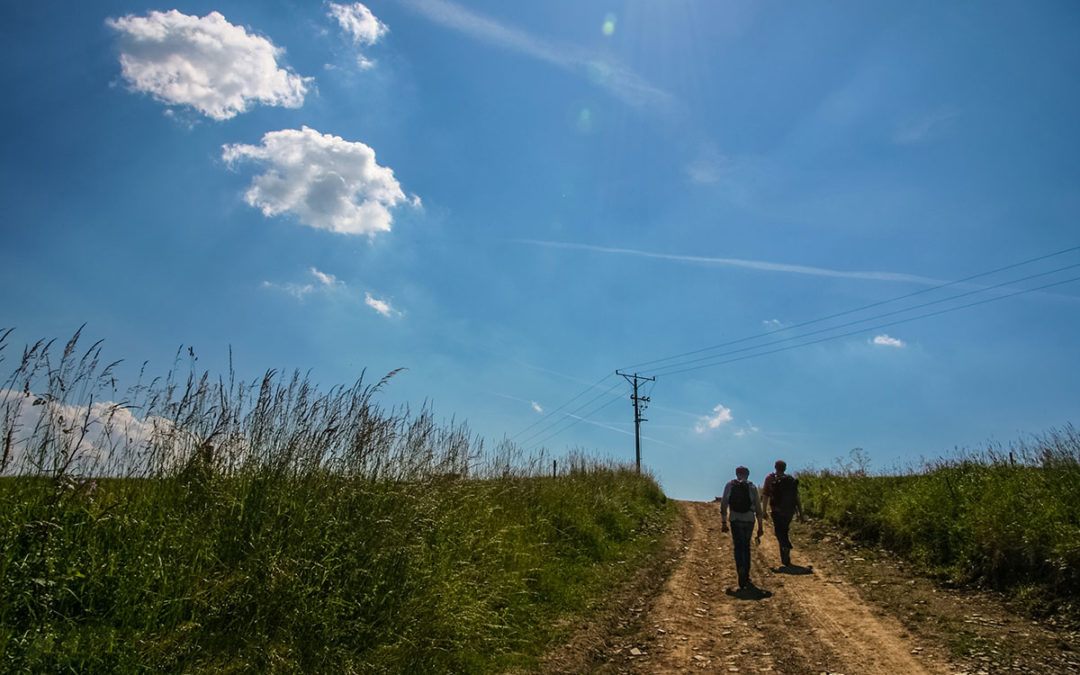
(799, 621)
(837, 610)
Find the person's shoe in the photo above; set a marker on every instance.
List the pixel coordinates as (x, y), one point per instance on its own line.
(744, 577)
(785, 556)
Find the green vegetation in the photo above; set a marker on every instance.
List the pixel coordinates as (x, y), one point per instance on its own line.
(212, 526)
(1005, 519)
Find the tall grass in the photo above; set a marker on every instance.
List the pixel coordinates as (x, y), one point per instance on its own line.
(193, 523)
(1006, 517)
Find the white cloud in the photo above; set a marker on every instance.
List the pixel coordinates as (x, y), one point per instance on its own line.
(325, 279)
(361, 26)
(886, 341)
(358, 22)
(537, 408)
(746, 430)
(206, 63)
(325, 181)
(773, 324)
(720, 417)
(381, 306)
(619, 80)
(323, 282)
(94, 436)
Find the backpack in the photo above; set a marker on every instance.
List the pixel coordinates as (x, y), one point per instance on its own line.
(739, 498)
(785, 493)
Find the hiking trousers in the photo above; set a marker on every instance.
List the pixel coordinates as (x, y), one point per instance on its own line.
(782, 525)
(741, 531)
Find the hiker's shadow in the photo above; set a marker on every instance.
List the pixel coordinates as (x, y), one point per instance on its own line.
(749, 593)
(794, 569)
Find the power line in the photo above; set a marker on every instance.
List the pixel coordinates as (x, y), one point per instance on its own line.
(555, 423)
(552, 412)
(877, 327)
(663, 370)
(867, 319)
(857, 309)
(576, 419)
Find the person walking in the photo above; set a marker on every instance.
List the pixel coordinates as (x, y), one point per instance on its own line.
(781, 495)
(740, 506)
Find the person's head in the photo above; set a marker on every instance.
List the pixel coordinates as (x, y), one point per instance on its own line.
(742, 473)
(781, 466)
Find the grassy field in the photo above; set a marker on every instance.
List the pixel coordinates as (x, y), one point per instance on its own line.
(201, 524)
(1004, 518)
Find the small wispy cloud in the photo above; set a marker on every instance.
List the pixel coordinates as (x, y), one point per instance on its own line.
(539, 409)
(886, 341)
(381, 306)
(704, 171)
(719, 418)
(321, 281)
(772, 324)
(739, 262)
(746, 430)
(924, 127)
(616, 78)
(326, 279)
(298, 291)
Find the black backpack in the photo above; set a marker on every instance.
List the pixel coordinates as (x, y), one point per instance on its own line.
(785, 493)
(739, 498)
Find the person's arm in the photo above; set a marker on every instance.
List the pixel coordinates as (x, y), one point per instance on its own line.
(755, 502)
(766, 495)
(724, 508)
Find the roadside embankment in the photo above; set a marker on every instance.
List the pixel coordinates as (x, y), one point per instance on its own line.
(316, 573)
(1007, 519)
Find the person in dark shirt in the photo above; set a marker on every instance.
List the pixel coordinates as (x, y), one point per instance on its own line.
(781, 496)
(741, 499)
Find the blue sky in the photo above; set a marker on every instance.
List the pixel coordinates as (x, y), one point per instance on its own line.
(513, 200)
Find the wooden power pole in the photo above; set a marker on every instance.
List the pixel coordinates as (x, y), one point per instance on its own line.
(640, 403)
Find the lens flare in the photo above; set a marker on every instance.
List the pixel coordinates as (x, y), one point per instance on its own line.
(585, 121)
(609, 24)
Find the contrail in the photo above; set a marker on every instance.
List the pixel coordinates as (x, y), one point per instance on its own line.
(618, 79)
(746, 264)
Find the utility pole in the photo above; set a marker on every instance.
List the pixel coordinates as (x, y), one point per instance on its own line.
(640, 403)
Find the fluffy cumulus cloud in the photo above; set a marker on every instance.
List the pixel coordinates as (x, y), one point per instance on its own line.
(886, 341)
(324, 181)
(96, 437)
(381, 306)
(719, 418)
(206, 63)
